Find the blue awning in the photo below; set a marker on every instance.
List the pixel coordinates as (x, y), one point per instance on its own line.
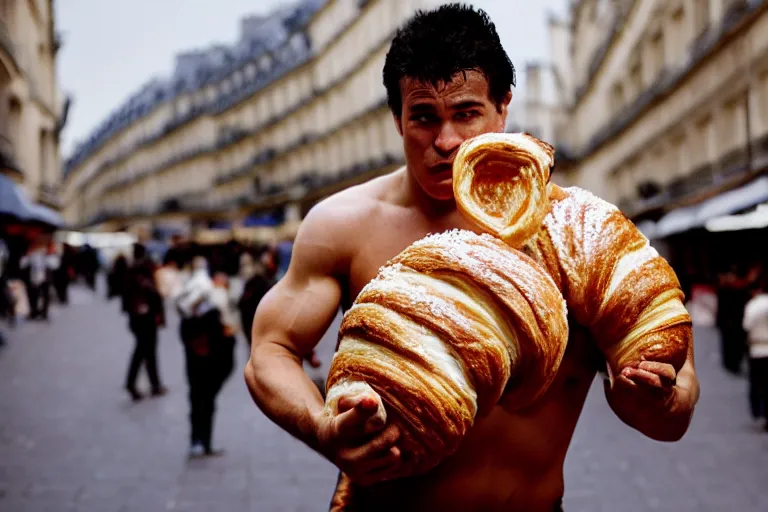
(12, 200)
(15, 203)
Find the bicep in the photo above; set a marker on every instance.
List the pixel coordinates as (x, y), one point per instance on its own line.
(296, 312)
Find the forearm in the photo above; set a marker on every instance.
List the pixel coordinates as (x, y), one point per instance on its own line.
(283, 391)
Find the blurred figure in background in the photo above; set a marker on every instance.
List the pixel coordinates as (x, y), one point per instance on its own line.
(207, 334)
(63, 274)
(116, 277)
(283, 252)
(146, 313)
(756, 326)
(268, 259)
(89, 265)
(256, 285)
(6, 302)
(38, 266)
(168, 278)
(733, 292)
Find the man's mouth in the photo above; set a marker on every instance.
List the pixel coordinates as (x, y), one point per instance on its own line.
(441, 170)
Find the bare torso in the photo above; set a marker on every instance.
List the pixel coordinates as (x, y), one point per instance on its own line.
(508, 462)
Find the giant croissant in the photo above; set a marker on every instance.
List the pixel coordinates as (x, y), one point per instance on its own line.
(614, 282)
(446, 327)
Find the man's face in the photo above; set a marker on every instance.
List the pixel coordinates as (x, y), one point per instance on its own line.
(436, 120)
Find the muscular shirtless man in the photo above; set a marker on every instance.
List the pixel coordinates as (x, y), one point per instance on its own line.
(447, 79)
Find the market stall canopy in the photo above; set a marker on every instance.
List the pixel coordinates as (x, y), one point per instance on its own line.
(15, 203)
(696, 216)
(757, 219)
(676, 221)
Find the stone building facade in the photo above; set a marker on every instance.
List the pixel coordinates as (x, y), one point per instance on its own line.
(666, 106)
(249, 136)
(32, 109)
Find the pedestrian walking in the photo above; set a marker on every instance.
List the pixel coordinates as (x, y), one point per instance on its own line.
(146, 313)
(207, 333)
(756, 326)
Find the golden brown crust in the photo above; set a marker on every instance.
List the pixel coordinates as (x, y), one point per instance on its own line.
(438, 334)
(613, 281)
(502, 181)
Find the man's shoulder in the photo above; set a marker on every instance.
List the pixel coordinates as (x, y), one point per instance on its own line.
(354, 204)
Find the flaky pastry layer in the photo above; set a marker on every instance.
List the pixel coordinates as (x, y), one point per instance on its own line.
(446, 327)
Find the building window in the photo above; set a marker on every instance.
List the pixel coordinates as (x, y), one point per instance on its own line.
(680, 156)
(678, 34)
(658, 54)
(44, 157)
(636, 78)
(617, 97)
(700, 16)
(762, 95)
(705, 149)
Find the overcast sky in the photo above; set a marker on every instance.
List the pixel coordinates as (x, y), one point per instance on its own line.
(112, 47)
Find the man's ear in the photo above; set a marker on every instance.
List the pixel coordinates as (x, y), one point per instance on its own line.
(505, 107)
(398, 124)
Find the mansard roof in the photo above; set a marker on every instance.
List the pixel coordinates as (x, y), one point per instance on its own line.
(281, 35)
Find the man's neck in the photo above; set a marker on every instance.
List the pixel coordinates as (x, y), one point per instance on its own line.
(432, 208)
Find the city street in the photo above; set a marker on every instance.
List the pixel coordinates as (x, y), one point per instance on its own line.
(71, 440)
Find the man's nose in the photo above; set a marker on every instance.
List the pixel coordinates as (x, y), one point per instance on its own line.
(448, 140)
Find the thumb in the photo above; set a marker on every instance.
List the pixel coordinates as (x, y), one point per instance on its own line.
(364, 402)
(356, 412)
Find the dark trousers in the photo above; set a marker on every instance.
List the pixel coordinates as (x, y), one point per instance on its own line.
(733, 343)
(758, 387)
(246, 322)
(61, 284)
(209, 361)
(144, 328)
(39, 299)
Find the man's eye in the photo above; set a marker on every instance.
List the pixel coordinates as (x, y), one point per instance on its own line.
(467, 114)
(422, 118)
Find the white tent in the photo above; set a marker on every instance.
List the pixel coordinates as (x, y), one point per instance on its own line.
(756, 219)
(715, 208)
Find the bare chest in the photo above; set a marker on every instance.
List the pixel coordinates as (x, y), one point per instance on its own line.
(386, 238)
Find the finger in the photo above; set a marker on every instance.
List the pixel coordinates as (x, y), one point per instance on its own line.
(376, 447)
(352, 423)
(643, 377)
(381, 474)
(385, 461)
(665, 371)
(365, 401)
(622, 383)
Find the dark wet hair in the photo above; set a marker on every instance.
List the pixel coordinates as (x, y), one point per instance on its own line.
(433, 46)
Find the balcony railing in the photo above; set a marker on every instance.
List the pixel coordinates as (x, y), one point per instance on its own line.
(732, 168)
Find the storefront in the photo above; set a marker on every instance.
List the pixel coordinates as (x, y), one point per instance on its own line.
(705, 239)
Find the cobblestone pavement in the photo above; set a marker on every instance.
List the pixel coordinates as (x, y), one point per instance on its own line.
(70, 440)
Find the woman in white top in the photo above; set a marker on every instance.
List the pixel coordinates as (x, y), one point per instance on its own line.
(756, 325)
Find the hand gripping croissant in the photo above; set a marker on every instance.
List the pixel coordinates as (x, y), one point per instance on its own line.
(446, 327)
(613, 281)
